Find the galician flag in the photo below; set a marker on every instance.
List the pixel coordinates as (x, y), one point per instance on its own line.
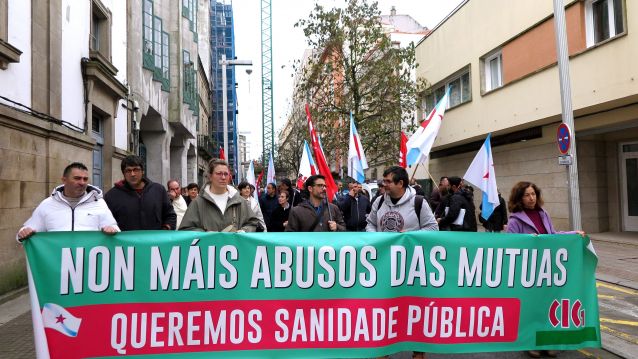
(357, 162)
(58, 318)
(421, 141)
(481, 174)
(250, 178)
(322, 164)
(307, 166)
(270, 176)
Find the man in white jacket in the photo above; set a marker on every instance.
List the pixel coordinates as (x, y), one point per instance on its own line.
(178, 202)
(73, 206)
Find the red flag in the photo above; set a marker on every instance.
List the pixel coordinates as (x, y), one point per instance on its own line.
(259, 178)
(322, 165)
(222, 155)
(404, 151)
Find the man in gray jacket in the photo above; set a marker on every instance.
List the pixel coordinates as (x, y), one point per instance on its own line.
(395, 211)
(219, 207)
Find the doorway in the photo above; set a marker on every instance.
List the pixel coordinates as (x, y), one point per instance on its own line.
(629, 185)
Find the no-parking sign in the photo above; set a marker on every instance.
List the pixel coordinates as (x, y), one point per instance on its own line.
(563, 138)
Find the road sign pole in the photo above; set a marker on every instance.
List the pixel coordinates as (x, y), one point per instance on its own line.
(568, 114)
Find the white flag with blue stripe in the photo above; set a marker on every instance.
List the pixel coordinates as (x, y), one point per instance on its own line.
(270, 176)
(357, 162)
(58, 318)
(481, 174)
(421, 141)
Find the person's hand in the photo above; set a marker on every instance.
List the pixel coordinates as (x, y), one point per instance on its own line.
(240, 231)
(25, 233)
(352, 193)
(109, 230)
(582, 233)
(285, 224)
(505, 227)
(332, 225)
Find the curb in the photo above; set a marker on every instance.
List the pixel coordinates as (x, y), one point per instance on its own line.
(13, 294)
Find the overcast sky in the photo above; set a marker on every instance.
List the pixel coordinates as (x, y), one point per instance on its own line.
(288, 45)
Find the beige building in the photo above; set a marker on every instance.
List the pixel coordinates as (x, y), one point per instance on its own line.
(499, 62)
(62, 99)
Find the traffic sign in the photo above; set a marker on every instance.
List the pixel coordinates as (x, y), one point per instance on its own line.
(563, 138)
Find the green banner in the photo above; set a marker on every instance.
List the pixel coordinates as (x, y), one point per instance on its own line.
(310, 295)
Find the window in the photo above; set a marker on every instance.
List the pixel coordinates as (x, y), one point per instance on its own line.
(147, 34)
(100, 37)
(604, 20)
(156, 47)
(493, 71)
(165, 62)
(459, 87)
(8, 53)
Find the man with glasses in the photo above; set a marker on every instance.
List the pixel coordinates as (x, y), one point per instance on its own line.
(138, 203)
(315, 214)
(219, 207)
(177, 200)
(400, 209)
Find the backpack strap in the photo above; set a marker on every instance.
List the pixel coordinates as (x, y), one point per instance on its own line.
(418, 203)
(380, 202)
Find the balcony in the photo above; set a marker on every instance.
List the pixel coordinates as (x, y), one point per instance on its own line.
(205, 146)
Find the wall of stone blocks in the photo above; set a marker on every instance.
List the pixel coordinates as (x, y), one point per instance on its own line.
(31, 166)
(533, 160)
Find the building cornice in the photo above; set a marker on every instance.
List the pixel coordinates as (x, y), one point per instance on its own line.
(8, 54)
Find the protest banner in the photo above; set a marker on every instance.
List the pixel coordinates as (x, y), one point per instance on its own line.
(309, 295)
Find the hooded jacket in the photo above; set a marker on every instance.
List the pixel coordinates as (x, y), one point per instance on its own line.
(400, 217)
(457, 201)
(56, 214)
(519, 222)
(150, 210)
(203, 214)
(302, 217)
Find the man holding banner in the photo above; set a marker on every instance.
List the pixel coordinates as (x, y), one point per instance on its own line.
(73, 206)
(400, 209)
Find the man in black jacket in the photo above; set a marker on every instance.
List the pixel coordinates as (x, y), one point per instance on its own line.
(354, 207)
(459, 201)
(137, 203)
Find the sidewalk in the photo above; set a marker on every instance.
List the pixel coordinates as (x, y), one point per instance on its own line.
(617, 257)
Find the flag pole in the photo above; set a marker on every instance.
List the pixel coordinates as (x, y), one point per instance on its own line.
(426, 171)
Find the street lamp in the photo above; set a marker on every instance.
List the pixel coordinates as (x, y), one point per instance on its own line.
(224, 63)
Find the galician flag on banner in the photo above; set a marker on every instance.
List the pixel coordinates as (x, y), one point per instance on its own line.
(58, 318)
(421, 141)
(481, 174)
(322, 164)
(270, 176)
(357, 162)
(307, 166)
(250, 178)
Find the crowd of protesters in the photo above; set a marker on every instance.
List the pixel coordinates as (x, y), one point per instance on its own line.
(399, 205)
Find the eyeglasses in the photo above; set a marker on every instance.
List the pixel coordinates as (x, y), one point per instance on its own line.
(320, 185)
(221, 174)
(133, 170)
